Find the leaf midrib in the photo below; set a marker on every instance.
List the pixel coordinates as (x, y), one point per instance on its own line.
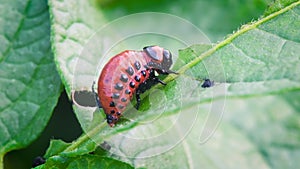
(244, 29)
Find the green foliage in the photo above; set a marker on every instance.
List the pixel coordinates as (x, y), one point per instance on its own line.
(92, 160)
(29, 83)
(85, 161)
(277, 5)
(248, 119)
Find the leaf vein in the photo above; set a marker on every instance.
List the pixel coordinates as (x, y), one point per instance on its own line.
(253, 60)
(275, 35)
(28, 86)
(4, 128)
(5, 53)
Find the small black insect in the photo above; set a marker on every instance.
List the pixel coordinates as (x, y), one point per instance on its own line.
(207, 83)
(38, 161)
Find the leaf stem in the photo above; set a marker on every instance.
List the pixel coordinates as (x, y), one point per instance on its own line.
(244, 28)
(85, 137)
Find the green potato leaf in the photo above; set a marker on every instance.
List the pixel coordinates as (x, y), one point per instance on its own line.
(245, 120)
(30, 85)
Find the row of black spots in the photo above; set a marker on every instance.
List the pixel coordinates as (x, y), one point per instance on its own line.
(117, 96)
(154, 65)
(130, 72)
(124, 78)
(120, 106)
(110, 118)
(113, 112)
(119, 86)
(137, 66)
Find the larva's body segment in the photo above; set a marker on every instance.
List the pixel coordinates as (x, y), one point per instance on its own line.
(130, 72)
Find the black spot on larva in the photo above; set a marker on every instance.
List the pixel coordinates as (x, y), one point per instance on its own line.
(124, 78)
(118, 113)
(123, 99)
(132, 84)
(143, 73)
(130, 71)
(146, 67)
(115, 95)
(109, 118)
(121, 106)
(112, 112)
(119, 86)
(137, 65)
(127, 91)
(150, 64)
(137, 78)
(112, 104)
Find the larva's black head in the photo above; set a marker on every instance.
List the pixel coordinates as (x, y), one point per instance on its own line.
(160, 57)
